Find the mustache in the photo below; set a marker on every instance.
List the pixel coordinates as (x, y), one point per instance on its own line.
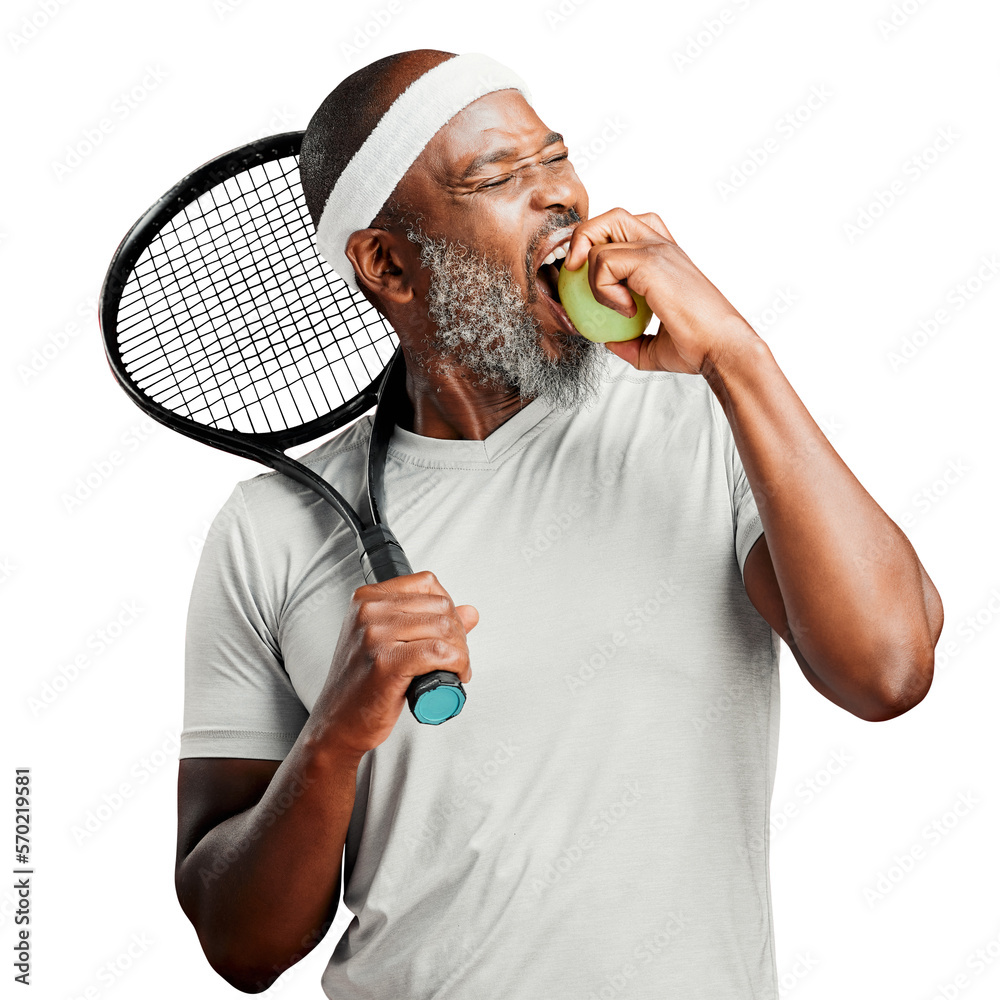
(558, 221)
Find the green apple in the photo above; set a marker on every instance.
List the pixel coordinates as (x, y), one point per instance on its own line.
(595, 321)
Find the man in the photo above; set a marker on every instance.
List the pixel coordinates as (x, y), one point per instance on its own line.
(636, 526)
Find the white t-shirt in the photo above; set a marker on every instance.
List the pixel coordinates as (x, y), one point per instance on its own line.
(594, 823)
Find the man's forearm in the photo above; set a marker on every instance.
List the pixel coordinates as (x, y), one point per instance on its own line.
(858, 603)
(262, 887)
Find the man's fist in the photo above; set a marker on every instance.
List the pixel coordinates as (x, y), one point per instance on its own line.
(393, 631)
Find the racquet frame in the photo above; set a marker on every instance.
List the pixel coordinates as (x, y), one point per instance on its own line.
(381, 555)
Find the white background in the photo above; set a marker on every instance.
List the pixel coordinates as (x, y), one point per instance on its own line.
(920, 434)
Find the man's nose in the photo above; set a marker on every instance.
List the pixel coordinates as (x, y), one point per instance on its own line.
(557, 191)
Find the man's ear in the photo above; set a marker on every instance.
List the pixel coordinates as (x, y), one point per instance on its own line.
(381, 265)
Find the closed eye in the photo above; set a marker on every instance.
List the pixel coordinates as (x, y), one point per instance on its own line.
(503, 180)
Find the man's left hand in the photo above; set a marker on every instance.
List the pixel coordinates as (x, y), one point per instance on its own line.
(697, 322)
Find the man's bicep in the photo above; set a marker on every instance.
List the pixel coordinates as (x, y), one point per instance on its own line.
(211, 789)
(765, 595)
(762, 587)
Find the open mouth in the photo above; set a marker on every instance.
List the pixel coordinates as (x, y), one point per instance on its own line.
(547, 280)
(547, 277)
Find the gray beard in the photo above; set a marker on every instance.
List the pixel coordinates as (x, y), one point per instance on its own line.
(483, 326)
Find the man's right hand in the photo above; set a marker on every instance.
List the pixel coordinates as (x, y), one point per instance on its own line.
(256, 824)
(392, 632)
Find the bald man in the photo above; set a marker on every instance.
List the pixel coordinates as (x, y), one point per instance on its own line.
(632, 526)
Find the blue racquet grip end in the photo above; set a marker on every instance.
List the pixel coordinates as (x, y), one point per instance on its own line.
(439, 704)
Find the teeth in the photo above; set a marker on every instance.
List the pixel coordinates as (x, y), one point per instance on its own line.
(557, 254)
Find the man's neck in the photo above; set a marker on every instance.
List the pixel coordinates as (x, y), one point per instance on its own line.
(453, 408)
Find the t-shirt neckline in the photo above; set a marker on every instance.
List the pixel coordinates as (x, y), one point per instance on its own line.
(425, 450)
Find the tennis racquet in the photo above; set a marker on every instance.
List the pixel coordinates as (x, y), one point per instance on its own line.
(222, 321)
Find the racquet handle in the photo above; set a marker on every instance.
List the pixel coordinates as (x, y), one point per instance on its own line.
(435, 697)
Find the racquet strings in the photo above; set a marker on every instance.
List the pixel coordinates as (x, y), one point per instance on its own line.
(231, 319)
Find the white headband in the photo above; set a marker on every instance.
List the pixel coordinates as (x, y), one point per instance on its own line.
(404, 130)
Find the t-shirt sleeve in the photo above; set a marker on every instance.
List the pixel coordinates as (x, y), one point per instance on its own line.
(747, 527)
(238, 698)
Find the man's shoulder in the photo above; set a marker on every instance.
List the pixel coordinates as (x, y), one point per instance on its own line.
(670, 394)
(340, 458)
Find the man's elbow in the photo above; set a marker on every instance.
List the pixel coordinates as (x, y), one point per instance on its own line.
(240, 974)
(907, 665)
(903, 687)
(228, 958)
(245, 983)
